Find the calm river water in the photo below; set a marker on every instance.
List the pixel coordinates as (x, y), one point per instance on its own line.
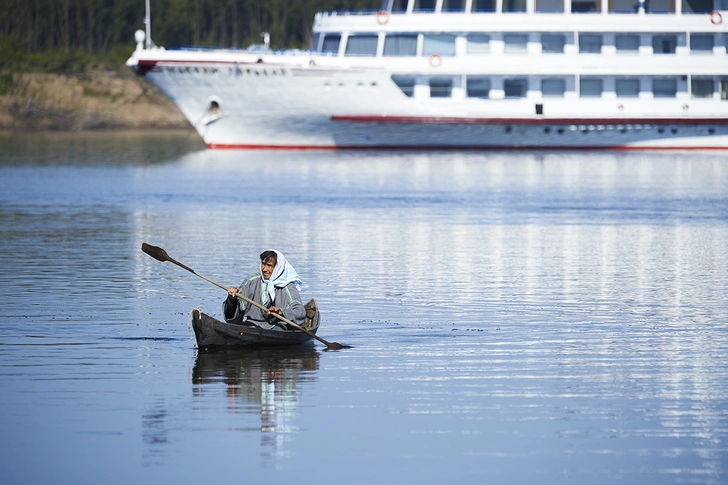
(516, 318)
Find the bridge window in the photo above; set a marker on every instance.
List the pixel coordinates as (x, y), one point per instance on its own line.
(395, 6)
(331, 43)
(483, 6)
(361, 45)
(442, 44)
(514, 5)
(400, 45)
(453, 5)
(697, 6)
(554, 6)
(424, 6)
(586, 6)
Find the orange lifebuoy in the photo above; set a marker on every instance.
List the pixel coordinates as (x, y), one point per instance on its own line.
(715, 17)
(382, 17)
(435, 60)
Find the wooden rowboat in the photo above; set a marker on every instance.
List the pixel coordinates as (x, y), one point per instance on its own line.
(211, 332)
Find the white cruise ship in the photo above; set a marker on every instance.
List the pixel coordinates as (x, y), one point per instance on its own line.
(480, 74)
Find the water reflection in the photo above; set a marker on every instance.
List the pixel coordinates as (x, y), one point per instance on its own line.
(263, 381)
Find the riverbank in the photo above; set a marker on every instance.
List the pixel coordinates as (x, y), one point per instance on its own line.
(95, 99)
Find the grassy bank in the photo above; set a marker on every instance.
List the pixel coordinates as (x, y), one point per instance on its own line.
(70, 91)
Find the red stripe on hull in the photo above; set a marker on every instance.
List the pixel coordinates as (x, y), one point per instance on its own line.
(226, 146)
(530, 121)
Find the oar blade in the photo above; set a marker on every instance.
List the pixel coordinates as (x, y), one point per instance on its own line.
(156, 252)
(336, 346)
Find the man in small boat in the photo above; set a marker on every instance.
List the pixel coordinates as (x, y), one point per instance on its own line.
(275, 287)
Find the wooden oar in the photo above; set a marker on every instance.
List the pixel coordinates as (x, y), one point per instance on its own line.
(161, 255)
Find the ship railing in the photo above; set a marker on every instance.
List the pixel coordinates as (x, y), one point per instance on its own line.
(252, 49)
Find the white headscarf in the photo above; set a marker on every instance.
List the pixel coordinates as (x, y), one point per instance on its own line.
(283, 274)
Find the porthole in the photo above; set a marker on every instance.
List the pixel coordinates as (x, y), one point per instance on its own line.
(674, 130)
(560, 131)
(711, 131)
(508, 129)
(661, 130)
(547, 130)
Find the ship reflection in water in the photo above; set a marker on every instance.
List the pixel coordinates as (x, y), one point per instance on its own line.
(265, 381)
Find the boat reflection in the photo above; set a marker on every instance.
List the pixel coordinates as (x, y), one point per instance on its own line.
(268, 378)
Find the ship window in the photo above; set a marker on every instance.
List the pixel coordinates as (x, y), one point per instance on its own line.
(400, 45)
(515, 43)
(553, 88)
(586, 6)
(701, 43)
(628, 88)
(664, 88)
(702, 88)
(514, 5)
(440, 87)
(483, 6)
(724, 89)
(627, 43)
(553, 43)
(362, 45)
(395, 6)
(478, 86)
(478, 43)
(660, 6)
(406, 84)
(315, 42)
(453, 5)
(590, 88)
(664, 44)
(590, 43)
(623, 6)
(552, 6)
(697, 6)
(442, 44)
(424, 6)
(331, 43)
(515, 88)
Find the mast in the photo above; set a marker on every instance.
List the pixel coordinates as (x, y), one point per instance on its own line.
(148, 24)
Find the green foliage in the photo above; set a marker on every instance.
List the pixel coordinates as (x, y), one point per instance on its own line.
(59, 34)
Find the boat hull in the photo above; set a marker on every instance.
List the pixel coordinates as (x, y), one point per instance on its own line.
(212, 333)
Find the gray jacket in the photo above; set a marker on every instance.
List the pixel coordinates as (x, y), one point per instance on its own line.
(243, 313)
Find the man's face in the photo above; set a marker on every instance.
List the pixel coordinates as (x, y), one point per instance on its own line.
(267, 267)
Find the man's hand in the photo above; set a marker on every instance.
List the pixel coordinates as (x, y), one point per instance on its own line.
(274, 309)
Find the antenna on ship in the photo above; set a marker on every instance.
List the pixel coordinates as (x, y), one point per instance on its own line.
(148, 24)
